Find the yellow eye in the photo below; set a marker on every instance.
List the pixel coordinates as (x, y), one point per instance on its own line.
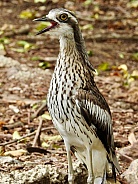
(63, 17)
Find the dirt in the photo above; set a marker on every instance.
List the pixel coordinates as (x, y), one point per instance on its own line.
(24, 84)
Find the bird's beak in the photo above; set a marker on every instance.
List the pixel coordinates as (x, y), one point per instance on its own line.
(46, 19)
(43, 19)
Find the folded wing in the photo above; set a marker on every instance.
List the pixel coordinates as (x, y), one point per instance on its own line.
(96, 113)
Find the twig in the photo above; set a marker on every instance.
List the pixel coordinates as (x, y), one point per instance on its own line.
(123, 155)
(29, 116)
(23, 137)
(12, 125)
(39, 111)
(38, 132)
(1, 169)
(7, 136)
(37, 149)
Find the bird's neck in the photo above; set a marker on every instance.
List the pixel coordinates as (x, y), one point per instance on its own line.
(73, 46)
(67, 46)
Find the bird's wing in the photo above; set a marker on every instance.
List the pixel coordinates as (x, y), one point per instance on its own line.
(95, 111)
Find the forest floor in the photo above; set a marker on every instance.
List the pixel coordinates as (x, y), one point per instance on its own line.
(111, 34)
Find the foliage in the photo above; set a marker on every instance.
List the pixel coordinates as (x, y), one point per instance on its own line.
(134, 56)
(128, 77)
(41, 1)
(42, 25)
(27, 14)
(103, 66)
(44, 64)
(24, 46)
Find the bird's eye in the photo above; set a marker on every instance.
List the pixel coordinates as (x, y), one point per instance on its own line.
(63, 17)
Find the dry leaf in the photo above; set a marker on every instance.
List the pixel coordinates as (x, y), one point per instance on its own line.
(54, 138)
(2, 123)
(123, 67)
(7, 159)
(132, 138)
(15, 153)
(14, 108)
(16, 135)
(2, 150)
(45, 145)
(46, 116)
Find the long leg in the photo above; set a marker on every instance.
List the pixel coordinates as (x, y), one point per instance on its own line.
(89, 165)
(70, 167)
(99, 166)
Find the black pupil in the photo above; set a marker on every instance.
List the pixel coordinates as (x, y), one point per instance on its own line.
(64, 16)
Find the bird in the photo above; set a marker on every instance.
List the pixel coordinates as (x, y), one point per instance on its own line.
(78, 110)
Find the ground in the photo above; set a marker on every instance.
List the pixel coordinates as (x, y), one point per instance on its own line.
(111, 34)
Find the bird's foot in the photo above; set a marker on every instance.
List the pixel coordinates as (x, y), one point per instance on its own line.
(90, 180)
(71, 179)
(99, 180)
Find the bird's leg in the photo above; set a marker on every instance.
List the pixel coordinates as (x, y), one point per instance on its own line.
(89, 166)
(70, 167)
(99, 166)
(104, 178)
(101, 180)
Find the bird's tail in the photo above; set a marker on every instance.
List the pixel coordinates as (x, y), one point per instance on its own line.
(81, 155)
(114, 163)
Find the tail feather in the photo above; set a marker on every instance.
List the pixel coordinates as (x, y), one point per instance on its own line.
(81, 155)
(114, 172)
(115, 162)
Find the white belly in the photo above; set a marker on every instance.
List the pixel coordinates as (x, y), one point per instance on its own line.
(78, 136)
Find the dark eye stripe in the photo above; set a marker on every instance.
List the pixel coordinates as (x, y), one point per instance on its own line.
(70, 13)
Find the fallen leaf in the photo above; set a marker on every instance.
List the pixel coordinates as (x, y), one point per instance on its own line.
(121, 56)
(55, 138)
(8, 159)
(15, 153)
(123, 67)
(132, 138)
(45, 145)
(16, 135)
(135, 56)
(2, 150)
(37, 1)
(103, 66)
(42, 25)
(46, 116)
(14, 108)
(2, 49)
(135, 74)
(27, 14)
(87, 27)
(2, 123)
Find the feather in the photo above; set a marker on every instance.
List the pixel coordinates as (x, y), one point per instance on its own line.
(98, 116)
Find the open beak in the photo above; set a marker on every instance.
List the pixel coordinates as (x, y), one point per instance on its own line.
(46, 19)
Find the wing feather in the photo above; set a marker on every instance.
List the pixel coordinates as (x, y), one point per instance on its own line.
(96, 113)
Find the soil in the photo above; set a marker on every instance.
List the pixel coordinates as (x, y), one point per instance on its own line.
(111, 34)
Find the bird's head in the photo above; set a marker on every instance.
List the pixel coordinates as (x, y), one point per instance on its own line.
(62, 22)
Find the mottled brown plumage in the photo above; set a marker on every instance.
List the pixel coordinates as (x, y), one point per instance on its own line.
(78, 110)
